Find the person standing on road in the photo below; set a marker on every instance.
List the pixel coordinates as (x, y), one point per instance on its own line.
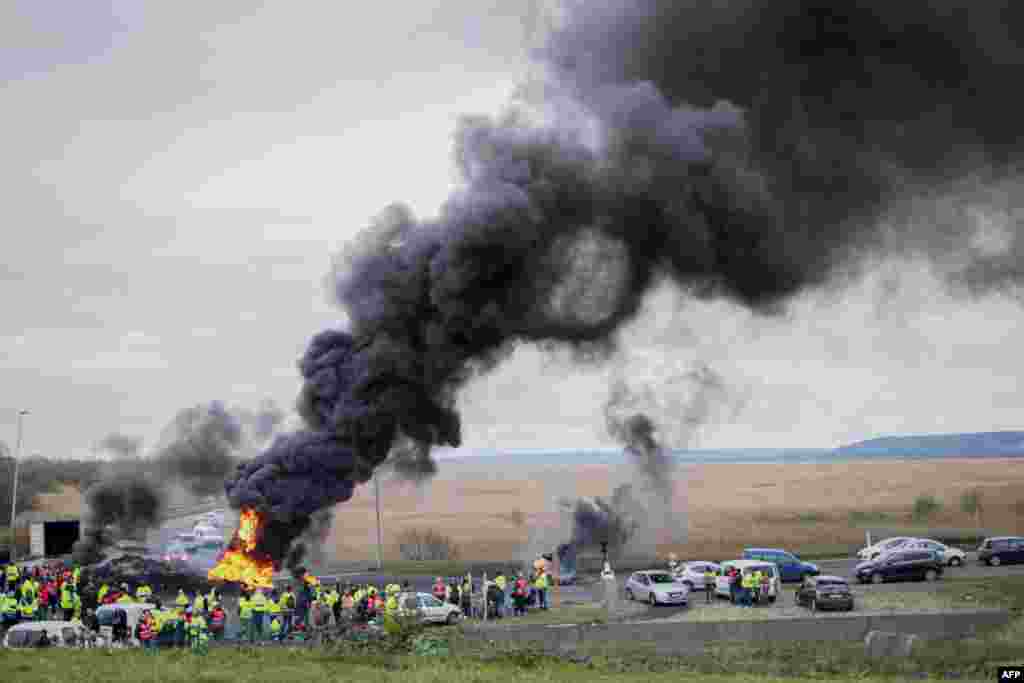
(501, 584)
(709, 584)
(259, 610)
(287, 610)
(245, 616)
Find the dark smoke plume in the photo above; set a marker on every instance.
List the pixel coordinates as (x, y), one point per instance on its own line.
(743, 150)
(121, 445)
(598, 520)
(200, 448)
(127, 500)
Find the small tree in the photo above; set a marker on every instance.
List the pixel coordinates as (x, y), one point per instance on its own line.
(970, 503)
(925, 507)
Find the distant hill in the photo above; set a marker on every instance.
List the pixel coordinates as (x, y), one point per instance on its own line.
(980, 444)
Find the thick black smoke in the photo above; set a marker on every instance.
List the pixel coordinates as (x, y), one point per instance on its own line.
(198, 449)
(596, 521)
(129, 500)
(742, 150)
(121, 445)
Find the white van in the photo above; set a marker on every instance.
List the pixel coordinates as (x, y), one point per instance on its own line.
(747, 567)
(60, 633)
(133, 610)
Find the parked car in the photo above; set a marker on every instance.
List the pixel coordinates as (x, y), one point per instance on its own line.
(902, 565)
(657, 587)
(691, 574)
(747, 567)
(790, 566)
(825, 592)
(953, 557)
(60, 633)
(1001, 550)
(428, 608)
(882, 547)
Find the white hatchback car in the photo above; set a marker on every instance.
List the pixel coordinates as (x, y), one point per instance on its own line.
(954, 557)
(657, 587)
(60, 634)
(882, 547)
(429, 608)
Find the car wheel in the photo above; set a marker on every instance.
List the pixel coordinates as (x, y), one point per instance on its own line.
(877, 578)
(652, 600)
(995, 561)
(452, 619)
(629, 594)
(930, 575)
(875, 556)
(771, 599)
(689, 585)
(955, 562)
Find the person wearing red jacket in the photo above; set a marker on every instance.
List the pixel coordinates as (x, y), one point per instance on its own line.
(147, 632)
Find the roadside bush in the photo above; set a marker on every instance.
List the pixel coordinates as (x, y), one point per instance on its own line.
(426, 544)
(925, 507)
(810, 517)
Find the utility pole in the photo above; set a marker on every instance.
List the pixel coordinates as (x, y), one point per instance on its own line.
(14, 486)
(380, 532)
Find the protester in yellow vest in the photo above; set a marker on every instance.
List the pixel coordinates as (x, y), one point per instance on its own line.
(102, 593)
(28, 609)
(181, 602)
(275, 628)
(245, 616)
(144, 592)
(258, 602)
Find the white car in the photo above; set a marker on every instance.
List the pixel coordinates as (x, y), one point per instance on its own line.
(60, 633)
(882, 547)
(954, 557)
(748, 567)
(692, 574)
(656, 587)
(429, 608)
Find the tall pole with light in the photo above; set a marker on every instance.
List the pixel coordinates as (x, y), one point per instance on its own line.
(380, 532)
(14, 486)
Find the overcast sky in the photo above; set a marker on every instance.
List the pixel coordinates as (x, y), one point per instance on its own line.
(177, 177)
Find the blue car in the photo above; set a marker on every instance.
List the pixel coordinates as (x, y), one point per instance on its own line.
(790, 566)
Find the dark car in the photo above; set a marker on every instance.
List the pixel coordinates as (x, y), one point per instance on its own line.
(825, 592)
(790, 566)
(902, 565)
(1001, 550)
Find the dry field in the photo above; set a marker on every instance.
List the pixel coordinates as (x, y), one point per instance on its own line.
(491, 511)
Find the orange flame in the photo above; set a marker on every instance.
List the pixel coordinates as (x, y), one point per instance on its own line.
(240, 563)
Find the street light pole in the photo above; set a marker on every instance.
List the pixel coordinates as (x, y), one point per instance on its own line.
(380, 533)
(14, 486)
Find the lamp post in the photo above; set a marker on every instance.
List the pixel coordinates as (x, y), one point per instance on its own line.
(380, 534)
(14, 486)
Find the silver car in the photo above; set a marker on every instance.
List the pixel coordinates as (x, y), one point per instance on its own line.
(692, 574)
(656, 587)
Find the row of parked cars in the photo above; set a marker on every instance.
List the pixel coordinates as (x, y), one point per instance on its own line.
(660, 587)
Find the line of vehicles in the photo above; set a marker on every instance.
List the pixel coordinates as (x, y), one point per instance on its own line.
(206, 536)
(901, 558)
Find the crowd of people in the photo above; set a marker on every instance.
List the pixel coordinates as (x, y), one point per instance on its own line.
(193, 619)
(45, 592)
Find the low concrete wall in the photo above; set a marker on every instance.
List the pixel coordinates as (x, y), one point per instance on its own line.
(690, 636)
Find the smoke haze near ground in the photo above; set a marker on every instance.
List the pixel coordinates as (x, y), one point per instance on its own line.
(656, 153)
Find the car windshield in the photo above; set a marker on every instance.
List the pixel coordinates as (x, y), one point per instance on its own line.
(661, 578)
(832, 584)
